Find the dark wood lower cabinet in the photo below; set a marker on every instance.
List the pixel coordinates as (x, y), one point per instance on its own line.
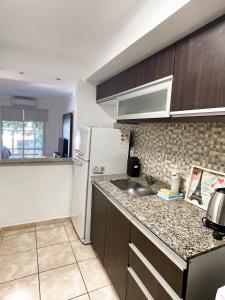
(150, 282)
(116, 249)
(110, 231)
(123, 246)
(98, 222)
(133, 290)
(166, 268)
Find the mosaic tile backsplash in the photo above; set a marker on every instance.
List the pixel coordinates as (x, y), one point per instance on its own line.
(160, 147)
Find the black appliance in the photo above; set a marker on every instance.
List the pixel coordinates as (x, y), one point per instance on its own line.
(133, 167)
(62, 148)
(67, 132)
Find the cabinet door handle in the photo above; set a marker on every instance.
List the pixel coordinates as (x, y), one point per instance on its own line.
(154, 272)
(140, 284)
(79, 152)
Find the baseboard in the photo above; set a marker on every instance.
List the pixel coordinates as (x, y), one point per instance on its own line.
(33, 224)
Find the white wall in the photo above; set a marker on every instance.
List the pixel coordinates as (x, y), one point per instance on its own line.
(34, 193)
(140, 20)
(54, 126)
(69, 104)
(88, 112)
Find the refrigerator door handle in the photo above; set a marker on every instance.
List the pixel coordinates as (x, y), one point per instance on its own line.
(79, 152)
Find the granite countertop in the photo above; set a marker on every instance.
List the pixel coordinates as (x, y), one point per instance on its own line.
(41, 160)
(177, 223)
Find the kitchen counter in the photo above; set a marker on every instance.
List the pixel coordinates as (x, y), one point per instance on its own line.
(177, 223)
(41, 160)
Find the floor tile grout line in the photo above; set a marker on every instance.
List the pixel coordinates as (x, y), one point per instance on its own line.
(73, 252)
(36, 242)
(68, 234)
(99, 288)
(34, 224)
(83, 278)
(58, 267)
(80, 261)
(16, 229)
(104, 270)
(2, 255)
(77, 262)
(18, 278)
(4, 235)
(68, 264)
(36, 249)
(8, 236)
(78, 296)
(74, 263)
(82, 274)
(39, 281)
(31, 230)
(53, 245)
(59, 225)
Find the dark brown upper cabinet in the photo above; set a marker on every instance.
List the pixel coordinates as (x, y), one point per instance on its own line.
(199, 73)
(159, 65)
(152, 68)
(107, 88)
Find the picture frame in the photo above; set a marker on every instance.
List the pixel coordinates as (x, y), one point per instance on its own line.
(201, 183)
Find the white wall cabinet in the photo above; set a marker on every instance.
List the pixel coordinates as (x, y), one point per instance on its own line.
(148, 101)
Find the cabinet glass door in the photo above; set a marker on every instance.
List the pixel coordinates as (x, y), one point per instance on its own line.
(151, 101)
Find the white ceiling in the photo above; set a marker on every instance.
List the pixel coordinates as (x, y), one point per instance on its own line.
(95, 39)
(33, 89)
(72, 30)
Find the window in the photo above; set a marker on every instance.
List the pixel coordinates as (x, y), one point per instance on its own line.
(23, 132)
(23, 139)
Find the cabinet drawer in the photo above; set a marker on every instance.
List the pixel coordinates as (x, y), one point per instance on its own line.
(172, 274)
(150, 278)
(134, 291)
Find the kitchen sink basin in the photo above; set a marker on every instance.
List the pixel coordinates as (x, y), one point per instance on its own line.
(133, 188)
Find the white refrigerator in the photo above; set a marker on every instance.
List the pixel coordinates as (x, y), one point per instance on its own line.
(98, 151)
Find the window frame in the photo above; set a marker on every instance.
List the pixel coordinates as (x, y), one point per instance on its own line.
(23, 121)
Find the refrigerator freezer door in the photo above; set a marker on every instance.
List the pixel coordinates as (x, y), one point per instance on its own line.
(79, 203)
(82, 142)
(109, 151)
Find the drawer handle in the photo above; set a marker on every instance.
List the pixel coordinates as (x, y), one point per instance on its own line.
(175, 258)
(140, 284)
(154, 272)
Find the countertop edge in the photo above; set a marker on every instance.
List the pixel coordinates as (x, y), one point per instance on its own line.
(36, 161)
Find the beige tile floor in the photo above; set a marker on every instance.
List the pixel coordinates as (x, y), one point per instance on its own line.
(48, 262)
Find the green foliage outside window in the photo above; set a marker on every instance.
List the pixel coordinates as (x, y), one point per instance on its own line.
(16, 125)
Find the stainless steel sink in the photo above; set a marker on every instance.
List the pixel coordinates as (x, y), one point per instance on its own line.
(132, 187)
